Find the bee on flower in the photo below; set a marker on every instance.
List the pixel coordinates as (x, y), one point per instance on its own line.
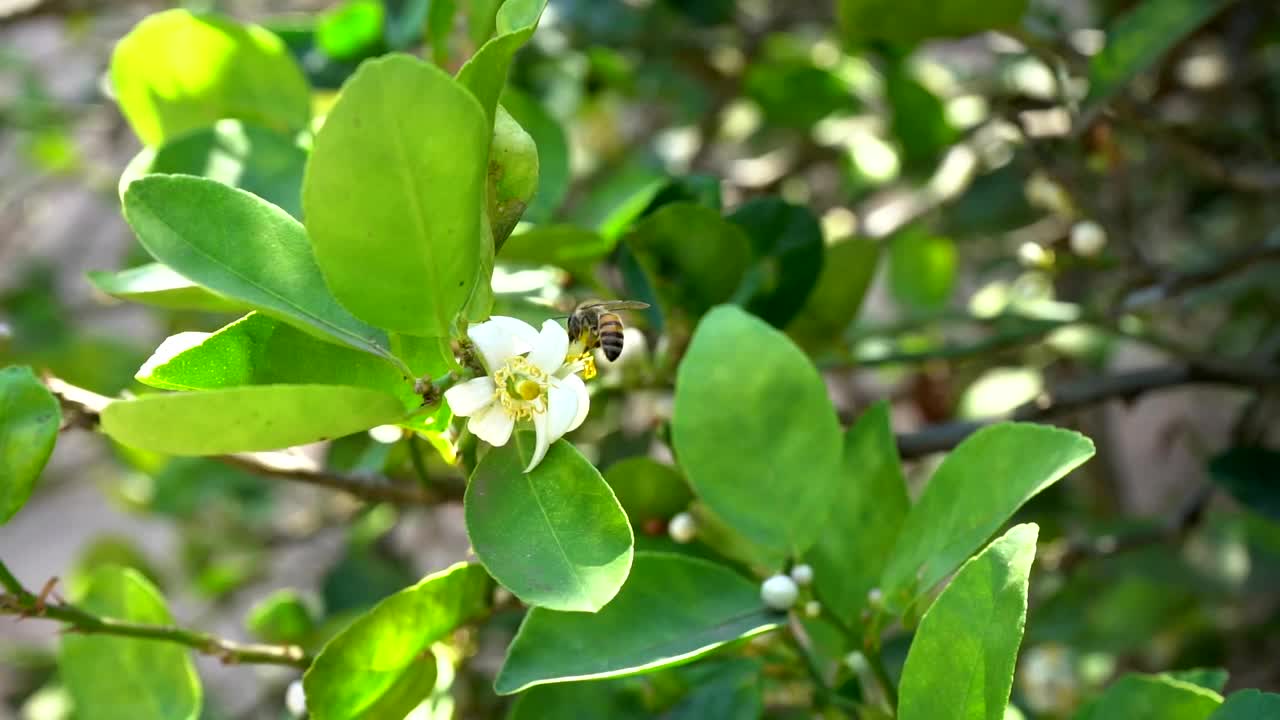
(530, 376)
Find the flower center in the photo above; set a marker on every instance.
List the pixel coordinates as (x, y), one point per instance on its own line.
(584, 363)
(522, 388)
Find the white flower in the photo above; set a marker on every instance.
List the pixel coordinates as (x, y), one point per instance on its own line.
(802, 574)
(779, 592)
(682, 528)
(295, 699)
(529, 378)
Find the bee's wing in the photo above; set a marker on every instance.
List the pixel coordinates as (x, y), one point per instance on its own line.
(615, 305)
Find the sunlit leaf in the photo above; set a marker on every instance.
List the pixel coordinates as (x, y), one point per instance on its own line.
(1152, 696)
(848, 267)
(29, 420)
(909, 21)
(351, 30)
(158, 285)
(922, 268)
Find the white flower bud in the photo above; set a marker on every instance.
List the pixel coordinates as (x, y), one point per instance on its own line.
(779, 592)
(1087, 238)
(802, 574)
(875, 598)
(812, 609)
(295, 699)
(682, 528)
(857, 662)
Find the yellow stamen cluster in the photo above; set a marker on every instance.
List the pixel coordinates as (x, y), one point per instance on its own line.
(588, 361)
(522, 388)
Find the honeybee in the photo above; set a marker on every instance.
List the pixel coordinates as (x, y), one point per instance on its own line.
(595, 324)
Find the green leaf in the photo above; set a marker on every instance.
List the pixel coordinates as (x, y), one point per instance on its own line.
(281, 617)
(512, 177)
(381, 665)
(865, 517)
(977, 488)
(177, 71)
(406, 22)
(485, 74)
(1152, 696)
(615, 700)
(247, 419)
(555, 537)
(257, 350)
(118, 678)
(692, 257)
(1137, 40)
(909, 21)
(672, 610)
(254, 253)
(787, 241)
(795, 93)
(267, 163)
(1248, 705)
(960, 665)
(352, 30)
(919, 120)
(1214, 679)
(848, 267)
(393, 193)
(755, 432)
(922, 268)
(553, 154)
(29, 421)
(440, 23)
(648, 489)
(1252, 476)
(568, 246)
(158, 285)
(728, 690)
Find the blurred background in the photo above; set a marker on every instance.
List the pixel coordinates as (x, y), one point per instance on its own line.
(1057, 221)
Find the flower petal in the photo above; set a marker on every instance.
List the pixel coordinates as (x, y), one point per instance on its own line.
(562, 408)
(492, 425)
(501, 338)
(468, 397)
(549, 350)
(574, 383)
(540, 432)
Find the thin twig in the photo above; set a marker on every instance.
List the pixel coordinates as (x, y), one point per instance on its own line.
(1074, 396)
(18, 601)
(82, 408)
(1180, 283)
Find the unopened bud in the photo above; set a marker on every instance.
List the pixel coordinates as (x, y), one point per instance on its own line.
(295, 699)
(1087, 238)
(812, 609)
(856, 661)
(875, 598)
(802, 574)
(779, 592)
(682, 528)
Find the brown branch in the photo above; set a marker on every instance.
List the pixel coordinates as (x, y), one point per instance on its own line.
(1179, 283)
(81, 408)
(1079, 395)
(18, 601)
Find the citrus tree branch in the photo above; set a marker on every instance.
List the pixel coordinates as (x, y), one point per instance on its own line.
(81, 408)
(17, 600)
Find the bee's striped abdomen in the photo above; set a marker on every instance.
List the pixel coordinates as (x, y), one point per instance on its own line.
(610, 333)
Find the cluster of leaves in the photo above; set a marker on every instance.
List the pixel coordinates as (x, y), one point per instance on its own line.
(360, 234)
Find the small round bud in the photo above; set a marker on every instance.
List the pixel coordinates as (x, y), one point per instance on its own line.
(875, 598)
(682, 528)
(1087, 238)
(857, 662)
(802, 574)
(295, 699)
(779, 592)
(812, 609)
(502, 596)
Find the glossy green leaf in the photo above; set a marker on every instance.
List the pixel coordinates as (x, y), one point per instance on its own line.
(119, 678)
(1137, 40)
(29, 421)
(485, 74)
(977, 488)
(351, 30)
(1252, 476)
(615, 700)
(755, 432)
(909, 21)
(622, 196)
(158, 285)
(1248, 705)
(267, 163)
(692, 257)
(393, 192)
(381, 665)
(673, 609)
(1214, 679)
(960, 665)
(922, 268)
(281, 617)
(247, 419)
(178, 71)
(728, 690)
(406, 22)
(787, 243)
(556, 537)
(866, 514)
(1152, 696)
(254, 253)
(919, 121)
(258, 350)
(553, 154)
(568, 246)
(648, 489)
(848, 267)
